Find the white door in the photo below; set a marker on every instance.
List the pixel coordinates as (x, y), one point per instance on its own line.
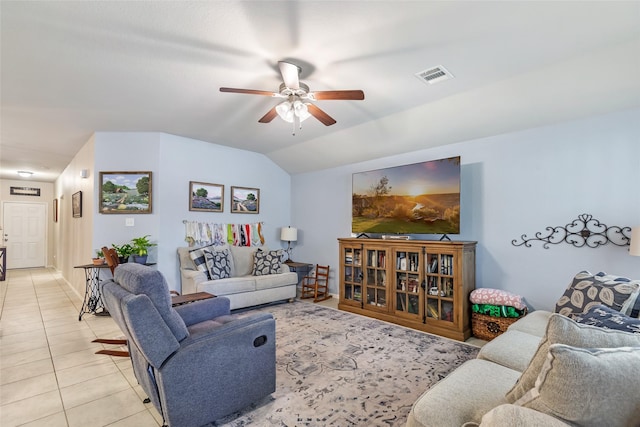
(25, 234)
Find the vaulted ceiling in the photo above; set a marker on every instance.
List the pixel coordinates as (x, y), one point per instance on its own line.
(69, 69)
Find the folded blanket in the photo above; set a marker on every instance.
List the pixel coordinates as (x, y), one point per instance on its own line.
(497, 297)
(497, 310)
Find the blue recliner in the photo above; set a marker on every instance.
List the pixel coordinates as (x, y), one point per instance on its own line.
(196, 362)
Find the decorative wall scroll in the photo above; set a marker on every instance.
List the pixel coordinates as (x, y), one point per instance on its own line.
(583, 231)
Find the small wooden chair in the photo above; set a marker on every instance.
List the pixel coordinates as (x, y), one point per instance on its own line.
(111, 256)
(316, 286)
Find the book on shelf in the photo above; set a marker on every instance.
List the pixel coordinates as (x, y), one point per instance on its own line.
(401, 302)
(433, 265)
(447, 265)
(433, 311)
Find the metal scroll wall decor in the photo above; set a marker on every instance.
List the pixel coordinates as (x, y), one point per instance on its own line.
(583, 231)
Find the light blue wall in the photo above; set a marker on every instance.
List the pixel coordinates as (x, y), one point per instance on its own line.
(512, 184)
(174, 162)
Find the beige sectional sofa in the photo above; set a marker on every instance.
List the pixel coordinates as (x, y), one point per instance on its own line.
(550, 369)
(480, 385)
(242, 287)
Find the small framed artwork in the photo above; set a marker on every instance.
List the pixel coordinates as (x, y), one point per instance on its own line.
(55, 210)
(125, 193)
(245, 200)
(76, 204)
(205, 197)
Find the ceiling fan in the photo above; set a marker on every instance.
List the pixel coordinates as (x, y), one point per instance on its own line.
(297, 106)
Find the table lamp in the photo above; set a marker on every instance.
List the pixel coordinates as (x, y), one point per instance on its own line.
(289, 234)
(634, 244)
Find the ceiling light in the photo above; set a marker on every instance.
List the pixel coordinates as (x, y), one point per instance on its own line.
(25, 174)
(289, 110)
(294, 110)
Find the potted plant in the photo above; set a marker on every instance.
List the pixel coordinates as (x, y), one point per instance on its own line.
(99, 259)
(141, 247)
(124, 252)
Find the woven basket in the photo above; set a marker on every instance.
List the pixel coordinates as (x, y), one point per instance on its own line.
(488, 327)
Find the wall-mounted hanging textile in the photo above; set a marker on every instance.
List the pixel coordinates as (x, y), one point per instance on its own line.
(199, 233)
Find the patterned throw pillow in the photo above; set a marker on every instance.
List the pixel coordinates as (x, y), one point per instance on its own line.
(588, 290)
(197, 255)
(631, 307)
(218, 263)
(608, 318)
(267, 262)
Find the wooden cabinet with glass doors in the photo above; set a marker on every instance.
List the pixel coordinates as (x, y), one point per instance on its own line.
(416, 283)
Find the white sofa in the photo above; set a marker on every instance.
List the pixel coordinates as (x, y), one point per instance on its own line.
(243, 289)
(491, 390)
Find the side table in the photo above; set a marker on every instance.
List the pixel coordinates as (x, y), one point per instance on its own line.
(3, 262)
(302, 268)
(92, 298)
(186, 299)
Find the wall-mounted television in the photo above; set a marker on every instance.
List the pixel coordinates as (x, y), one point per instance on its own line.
(420, 198)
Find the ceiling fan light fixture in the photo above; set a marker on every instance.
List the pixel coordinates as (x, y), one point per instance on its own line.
(288, 111)
(285, 111)
(301, 110)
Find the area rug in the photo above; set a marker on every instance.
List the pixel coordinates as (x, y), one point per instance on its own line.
(340, 369)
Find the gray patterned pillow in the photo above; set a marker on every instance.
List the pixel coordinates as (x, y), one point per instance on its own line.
(218, 263)
(608, 318)
(197, 255)
(588, 290)
(267, 262)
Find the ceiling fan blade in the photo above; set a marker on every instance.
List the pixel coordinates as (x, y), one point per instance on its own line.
(356, 95)
(271, 114)
(248, 91)
(316, 112)
(290, 74)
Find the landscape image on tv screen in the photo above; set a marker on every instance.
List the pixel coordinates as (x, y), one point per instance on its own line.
(420, 198)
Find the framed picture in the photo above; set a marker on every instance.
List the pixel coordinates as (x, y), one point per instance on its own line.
(245, 200)
(55, 210)
(125, 193)
(76, 204)
(205, 197)
(24, 191)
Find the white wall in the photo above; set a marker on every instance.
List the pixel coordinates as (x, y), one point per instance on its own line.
(512, 184)
(72, 236)
(174, 162)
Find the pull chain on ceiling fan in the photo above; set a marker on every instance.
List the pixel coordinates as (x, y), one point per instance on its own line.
(297, 106)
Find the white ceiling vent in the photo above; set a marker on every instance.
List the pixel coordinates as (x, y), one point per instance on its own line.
(434, 75)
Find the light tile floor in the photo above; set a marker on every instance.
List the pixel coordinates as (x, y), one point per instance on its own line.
(49, 372)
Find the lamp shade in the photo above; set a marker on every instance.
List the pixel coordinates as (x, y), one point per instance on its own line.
(289, 110)
(634, 248)
(289, 234)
